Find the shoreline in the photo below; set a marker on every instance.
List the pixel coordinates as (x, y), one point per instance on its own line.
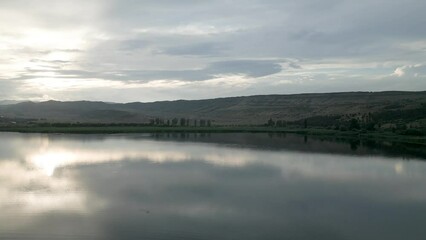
(356, 135)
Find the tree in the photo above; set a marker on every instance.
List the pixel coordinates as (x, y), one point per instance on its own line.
(271, 122)
(175, 121)
(371, 126)
(182, 122)
(354, 124)
(305, 123)
(209, 123)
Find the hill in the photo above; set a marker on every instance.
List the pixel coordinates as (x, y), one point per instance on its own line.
(317, 107)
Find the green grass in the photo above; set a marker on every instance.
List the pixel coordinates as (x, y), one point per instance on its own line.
(386, 136)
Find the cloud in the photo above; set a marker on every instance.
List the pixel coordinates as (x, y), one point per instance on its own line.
(399, 72)
(410, 71)
(134, 44)
(248, 68)
(308, 45)
(188, 30)
(197, 49)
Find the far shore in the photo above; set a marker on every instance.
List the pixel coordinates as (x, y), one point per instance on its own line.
(372, 135)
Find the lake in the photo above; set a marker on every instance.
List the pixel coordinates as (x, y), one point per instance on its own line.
(209, 186)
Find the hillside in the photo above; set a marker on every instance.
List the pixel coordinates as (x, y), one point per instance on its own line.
(233, 110)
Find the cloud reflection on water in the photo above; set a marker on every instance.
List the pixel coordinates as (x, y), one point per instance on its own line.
(122, 175)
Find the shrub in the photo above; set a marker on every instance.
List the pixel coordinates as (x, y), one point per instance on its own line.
(413, 132)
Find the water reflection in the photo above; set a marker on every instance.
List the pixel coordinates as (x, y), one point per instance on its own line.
(200, 187)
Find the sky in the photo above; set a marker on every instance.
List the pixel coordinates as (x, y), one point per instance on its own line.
(139, 50)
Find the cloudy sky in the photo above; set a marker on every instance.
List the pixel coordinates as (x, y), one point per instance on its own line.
(140, 50)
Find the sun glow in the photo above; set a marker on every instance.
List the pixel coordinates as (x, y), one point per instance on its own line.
(39, 39)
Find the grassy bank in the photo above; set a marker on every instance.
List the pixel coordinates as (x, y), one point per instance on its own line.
(385, 136)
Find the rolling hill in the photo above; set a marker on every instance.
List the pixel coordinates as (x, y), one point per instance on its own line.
(232, 110)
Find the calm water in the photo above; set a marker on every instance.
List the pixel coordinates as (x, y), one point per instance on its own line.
(215, 186)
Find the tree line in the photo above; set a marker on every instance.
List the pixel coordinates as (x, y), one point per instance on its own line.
(181, 122)
(401, 121)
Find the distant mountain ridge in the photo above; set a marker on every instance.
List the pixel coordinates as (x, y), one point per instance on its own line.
(9, 102)
(232, 110)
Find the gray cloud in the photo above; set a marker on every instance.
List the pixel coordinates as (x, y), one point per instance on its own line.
(200, 49)
(6, 88)
(191, 41)
(249, 68)
(134, 44)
